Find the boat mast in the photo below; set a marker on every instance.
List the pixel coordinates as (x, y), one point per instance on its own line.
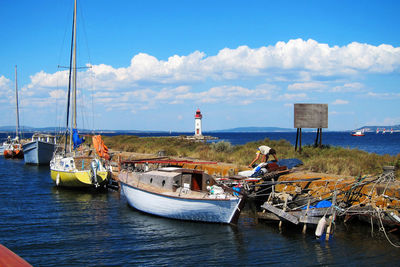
(71, 62)
(16, 100)
(74, 70)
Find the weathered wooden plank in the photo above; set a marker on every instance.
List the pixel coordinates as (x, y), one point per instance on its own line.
(312, 220)
(280, 213)
(267, 216)
(315, 212)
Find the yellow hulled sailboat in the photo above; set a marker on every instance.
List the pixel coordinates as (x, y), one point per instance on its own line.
(72, 165)
(73, 172)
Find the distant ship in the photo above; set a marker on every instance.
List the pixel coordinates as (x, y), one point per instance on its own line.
(358, 133)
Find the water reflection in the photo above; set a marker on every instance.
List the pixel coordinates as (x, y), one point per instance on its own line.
(56, 227)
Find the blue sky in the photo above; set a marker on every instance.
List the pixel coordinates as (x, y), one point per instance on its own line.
(243, 63)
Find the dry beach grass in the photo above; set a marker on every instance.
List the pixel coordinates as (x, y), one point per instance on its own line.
(332, 160)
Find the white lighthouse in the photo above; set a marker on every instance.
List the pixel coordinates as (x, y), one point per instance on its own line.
(197, 123)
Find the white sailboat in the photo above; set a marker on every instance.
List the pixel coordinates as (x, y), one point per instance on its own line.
(12, 148)
(181, 194)
(72, 167)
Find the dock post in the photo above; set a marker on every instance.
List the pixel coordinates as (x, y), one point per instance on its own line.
(331, 218)
(305, 224)
(284, 209)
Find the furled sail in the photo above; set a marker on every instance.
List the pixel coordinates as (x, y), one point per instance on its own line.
(76, 139)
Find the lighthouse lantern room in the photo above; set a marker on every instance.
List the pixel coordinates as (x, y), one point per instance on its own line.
(197, 123)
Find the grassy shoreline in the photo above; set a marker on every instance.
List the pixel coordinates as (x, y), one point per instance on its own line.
(329, 159)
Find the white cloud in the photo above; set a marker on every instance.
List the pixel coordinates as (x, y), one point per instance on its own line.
(307, 86)
(383, 95)
(58, 94)
(385, 121)
(5, 87)
(340, 102)
(4, 83)
(222, 78)
(292, 97)
(304, 59)
(348, 87)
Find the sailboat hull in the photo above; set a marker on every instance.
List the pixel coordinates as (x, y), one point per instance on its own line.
(77, 178)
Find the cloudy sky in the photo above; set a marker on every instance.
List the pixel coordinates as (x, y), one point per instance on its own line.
(243, 63)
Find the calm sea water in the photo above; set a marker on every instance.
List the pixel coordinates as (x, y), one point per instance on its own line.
(371, 142)
(54, 227)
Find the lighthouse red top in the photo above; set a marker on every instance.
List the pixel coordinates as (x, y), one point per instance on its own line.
(198, 114)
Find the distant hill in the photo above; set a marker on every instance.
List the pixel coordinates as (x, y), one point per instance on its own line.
(11, 129)
(258, 129)
(372, 128)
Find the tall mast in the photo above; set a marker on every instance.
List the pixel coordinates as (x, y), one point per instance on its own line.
(16, 100)
(74, 68)
(71, 63)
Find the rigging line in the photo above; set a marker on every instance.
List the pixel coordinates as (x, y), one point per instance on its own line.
(69, 81)
(92, 99)
(83, 26)
(384, 231)
(61, 52)
(82, 15)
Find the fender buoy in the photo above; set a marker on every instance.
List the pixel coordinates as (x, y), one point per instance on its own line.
(58, 179)
(320, 227)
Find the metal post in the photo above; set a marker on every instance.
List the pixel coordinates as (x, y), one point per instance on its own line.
(300, 142)
(320, 137)
(297, 139)
(316, 139)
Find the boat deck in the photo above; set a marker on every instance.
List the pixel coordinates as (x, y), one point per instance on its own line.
(131, 179)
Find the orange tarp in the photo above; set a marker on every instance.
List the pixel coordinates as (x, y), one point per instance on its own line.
(101, 148)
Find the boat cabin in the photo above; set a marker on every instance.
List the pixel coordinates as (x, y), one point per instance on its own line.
(170, 179)
(48, 138)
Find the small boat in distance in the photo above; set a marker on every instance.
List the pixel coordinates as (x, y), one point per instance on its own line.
(391, 130)
(358, 133)
(182, 194)
(40, 149)
(377, 130)
(384, 131)
(12, 148)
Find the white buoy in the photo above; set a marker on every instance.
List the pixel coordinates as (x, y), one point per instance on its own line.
(320, 227)
(58, 179)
